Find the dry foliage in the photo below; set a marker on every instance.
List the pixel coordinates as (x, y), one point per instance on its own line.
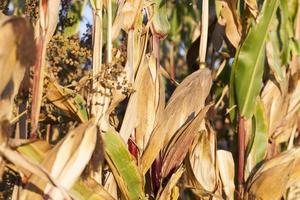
(119, 112)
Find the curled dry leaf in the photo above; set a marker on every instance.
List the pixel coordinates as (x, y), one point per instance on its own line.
(127, 15)
(66, 161)
(274, 176)
(202, 158)
(273, 99)
(252, 6)
(226, 169)
(144, 107)
(290, 119)
(186, 101)
(176, 150)
(229, 18)
(22, 162)
(16, 55)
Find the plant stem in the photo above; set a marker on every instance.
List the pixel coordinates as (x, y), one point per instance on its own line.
(204, 33)
(37, 86)
(241, 155)
(97, 56)
(109, 32)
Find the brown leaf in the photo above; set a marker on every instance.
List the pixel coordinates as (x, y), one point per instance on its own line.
(66, 161)
(202, 159)
(226, 168)
(65, 99)
(186, 101)
(274, 176)
(16, 55)
(166, 192)
(180, 143)
(144, 107)
(229, 19)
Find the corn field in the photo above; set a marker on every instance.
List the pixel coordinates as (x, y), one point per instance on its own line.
(150, 100)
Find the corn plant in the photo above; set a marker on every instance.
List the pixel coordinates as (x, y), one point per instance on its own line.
(156, 99)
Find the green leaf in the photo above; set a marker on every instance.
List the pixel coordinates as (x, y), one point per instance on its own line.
(249, 65)
(123, 166)
(260, 142)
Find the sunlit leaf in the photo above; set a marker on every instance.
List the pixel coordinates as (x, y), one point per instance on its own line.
(67, 100)
(275, 176)
(123, 166)
(249, 65)
(186, 101)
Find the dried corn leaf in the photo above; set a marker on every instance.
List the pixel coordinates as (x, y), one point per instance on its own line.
(252, 6)
(20, 161)
(143, 107)
(67, 100)
(36, 150)
(48, 12)
(167, 192)
(226, 168)
(83, 189)
(127, 16)
(202, 159)
(123, 166)
(186, 101)
(229, 18)
(179, 145)
(273, 99)
(16, 54)
(290, 120)
(66, 160)
(272, 179)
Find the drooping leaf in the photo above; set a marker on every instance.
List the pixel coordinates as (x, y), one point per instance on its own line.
(273, 178)
(226, 168)
(123, 166)
(186, 101)
(83, 189)
(229, 18)
(66, 161)
(202, 159)
(143, 108)
(249, 65)
(177, 149)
